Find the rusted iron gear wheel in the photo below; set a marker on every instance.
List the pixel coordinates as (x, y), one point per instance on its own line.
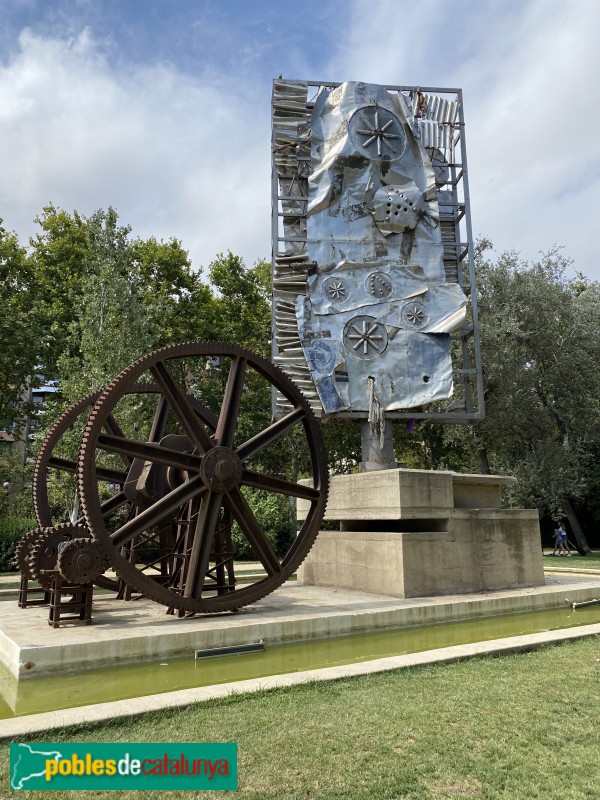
(47, 461)
(23, 551)
(44, 553)
(81, 561)
(212, 477)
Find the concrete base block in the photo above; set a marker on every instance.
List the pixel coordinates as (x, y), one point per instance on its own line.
(414, 533)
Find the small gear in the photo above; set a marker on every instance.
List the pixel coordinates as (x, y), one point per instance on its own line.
(23, 551)
(81, 561)
(44, 553)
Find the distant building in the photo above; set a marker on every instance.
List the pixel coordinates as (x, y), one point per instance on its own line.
(13, 441)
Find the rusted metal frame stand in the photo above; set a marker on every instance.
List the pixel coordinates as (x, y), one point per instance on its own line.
(79, 607)
(25, 590)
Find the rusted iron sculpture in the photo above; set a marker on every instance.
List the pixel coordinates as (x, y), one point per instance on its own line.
(164, 466)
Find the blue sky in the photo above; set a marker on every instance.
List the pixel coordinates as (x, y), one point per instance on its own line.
(161, 109)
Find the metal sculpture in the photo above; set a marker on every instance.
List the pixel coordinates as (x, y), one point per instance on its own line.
(372, 265)
(166, 468)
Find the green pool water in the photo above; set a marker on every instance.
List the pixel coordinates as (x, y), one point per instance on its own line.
(116, 683)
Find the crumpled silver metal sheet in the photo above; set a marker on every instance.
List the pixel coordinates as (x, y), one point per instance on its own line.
(377, 304)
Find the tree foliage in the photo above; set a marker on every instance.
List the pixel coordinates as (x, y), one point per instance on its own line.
(540, 346)
(19, 329)
(86, 298)
(540, 342)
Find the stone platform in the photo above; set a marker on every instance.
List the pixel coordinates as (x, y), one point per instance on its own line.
(414, 533)
(135, 631)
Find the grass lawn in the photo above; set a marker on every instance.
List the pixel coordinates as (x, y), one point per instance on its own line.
(590, 561)
(521, 727)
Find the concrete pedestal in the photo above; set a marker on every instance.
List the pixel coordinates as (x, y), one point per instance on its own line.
(411, 533)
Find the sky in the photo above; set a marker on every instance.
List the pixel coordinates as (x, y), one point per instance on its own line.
(161, 109)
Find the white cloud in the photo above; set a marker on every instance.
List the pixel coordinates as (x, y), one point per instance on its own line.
(188, 155)
(529, 72)
(174, 155)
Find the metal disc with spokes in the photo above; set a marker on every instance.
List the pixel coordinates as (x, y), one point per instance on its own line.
(56, 466)
(217, 464)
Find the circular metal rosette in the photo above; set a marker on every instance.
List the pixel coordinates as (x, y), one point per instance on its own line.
(377, 133)
(379, 285)
(415, 315)
(365, 338)
(336, 289)
(199, 466)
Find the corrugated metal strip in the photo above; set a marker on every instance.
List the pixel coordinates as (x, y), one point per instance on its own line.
(441, 110)
(431, 134)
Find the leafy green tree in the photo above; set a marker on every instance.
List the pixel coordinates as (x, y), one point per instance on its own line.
(242, 302)
(57, 259)
(19, 330)
(180, 304)
(540, 344)
(113, 325)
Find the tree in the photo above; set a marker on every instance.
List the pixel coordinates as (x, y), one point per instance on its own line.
(20, 330)
(540, 345)
(113, 324)
(179, 303)
(242, 302)
(57, 259)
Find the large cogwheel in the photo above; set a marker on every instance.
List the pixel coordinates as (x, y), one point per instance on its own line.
(204, 464)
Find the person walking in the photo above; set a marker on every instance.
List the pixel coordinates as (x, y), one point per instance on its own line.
(564, 540)
(557, 542)
(561, 542)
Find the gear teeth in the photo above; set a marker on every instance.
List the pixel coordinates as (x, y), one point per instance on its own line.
(49, 539)
(75, 570)
(23, 551)
(90, 503)
(39, 481)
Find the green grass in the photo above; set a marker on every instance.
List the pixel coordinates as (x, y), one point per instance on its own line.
(520, 727)
(590, 561)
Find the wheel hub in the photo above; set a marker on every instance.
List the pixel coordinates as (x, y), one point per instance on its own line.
(221, 469)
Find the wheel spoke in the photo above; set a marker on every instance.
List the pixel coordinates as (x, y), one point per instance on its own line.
(62, 463)
(258, 480)
(252, 530)
(205, 414)
(231, 402)
(112, 426)
(110, 505)
(266, 437)
(203, 539)
(148, 451)
(111, 475)
(182, 407)
(159, 423)
(158, 511)
(102, 473)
